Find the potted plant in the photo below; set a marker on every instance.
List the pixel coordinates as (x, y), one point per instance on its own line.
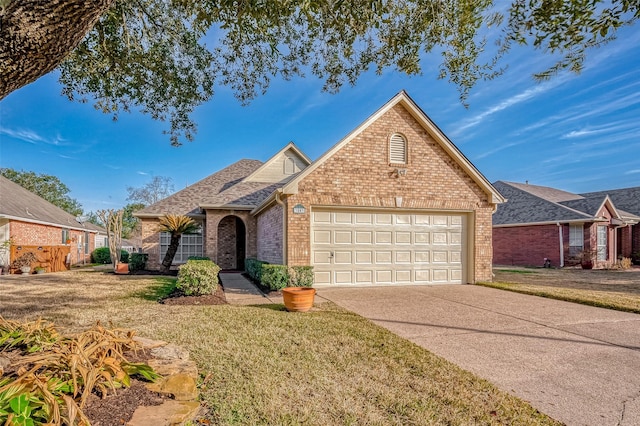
(586, 259)
(39, 270)
(298, 299)
(24, 263)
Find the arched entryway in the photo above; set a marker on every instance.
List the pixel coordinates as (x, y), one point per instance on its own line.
(231, 243)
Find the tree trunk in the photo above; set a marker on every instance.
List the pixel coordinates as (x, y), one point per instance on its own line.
(171, 253)
(36, 36)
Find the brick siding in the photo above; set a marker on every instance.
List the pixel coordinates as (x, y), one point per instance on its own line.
(151, 242)
(359, 175)
(528, 245)
(636, 239)
(270, 238)
(36, 234)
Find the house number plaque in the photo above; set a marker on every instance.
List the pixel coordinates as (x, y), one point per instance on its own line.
(299, 209)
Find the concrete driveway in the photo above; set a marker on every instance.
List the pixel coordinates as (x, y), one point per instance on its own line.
(578, 364)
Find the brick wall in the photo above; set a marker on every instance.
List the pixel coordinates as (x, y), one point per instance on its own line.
(151, 242)
(213, 221)
(270, 238)
(636, 239)
(36, 234)
(527, 245)
(360, 175)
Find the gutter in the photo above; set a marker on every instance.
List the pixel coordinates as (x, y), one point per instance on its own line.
(41, 222)
(561, 244)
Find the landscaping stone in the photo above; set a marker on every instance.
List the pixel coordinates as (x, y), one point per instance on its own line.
(170, 351)
(169, 413)
(179, 376)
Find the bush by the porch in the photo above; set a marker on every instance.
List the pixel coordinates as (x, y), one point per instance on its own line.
(138, 261)
(275, 277)
(198, 277)
(254, 268)
(103, 255)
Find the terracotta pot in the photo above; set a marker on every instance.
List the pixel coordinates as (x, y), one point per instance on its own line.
(586, 264)
(298, 299)
(122, 268)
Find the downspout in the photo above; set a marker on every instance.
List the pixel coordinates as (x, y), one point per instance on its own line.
(284, 227)
(561, 244)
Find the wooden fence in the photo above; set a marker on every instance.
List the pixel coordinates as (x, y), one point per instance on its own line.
(52, 258)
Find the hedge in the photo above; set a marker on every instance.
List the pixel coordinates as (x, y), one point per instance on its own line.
(275, 277)
(103, 255)
(254, 268)
(138, 261)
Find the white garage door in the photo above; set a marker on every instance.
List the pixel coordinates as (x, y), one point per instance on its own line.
(378, 248)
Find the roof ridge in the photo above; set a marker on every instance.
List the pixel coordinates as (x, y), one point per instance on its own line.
(549, 201)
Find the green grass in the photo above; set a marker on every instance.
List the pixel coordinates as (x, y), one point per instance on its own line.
(517, 271)
(263, 365)
(619, 301)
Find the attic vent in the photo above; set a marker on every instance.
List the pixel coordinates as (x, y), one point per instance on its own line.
(289, 166)
(397, 149)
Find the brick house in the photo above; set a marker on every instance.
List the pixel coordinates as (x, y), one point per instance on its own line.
(538, 223)
(29, 221)
(394, 202)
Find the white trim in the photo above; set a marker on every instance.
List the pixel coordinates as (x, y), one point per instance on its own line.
(561, 238)
(554, 222)
(290, 146)
(403, 98)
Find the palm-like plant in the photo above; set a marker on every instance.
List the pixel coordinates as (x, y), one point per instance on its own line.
(176, 225)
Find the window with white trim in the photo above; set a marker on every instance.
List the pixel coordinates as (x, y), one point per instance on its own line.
(397, 149)
(601, 239)
(576, 239)
(190, 245)
(65, 236)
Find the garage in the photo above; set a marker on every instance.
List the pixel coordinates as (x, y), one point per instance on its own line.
(368, 247)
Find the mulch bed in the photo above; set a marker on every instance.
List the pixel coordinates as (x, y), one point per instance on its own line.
(177, 297)
(118, 409)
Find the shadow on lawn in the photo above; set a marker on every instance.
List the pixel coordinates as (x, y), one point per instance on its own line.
(160, 289)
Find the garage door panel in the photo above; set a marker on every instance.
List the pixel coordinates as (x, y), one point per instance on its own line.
(369, 248)
(364, 257)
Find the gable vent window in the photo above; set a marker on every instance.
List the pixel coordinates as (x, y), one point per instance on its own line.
(289, 166)
(397, 149)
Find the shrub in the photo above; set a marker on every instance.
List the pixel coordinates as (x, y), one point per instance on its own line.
(625, 263)
(198, 277)
(138, 261)
(275, 277)
(254, 268)
(101, 255)
(301, 276)
(198, 258)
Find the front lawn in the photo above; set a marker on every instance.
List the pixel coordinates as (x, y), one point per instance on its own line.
(263, 365)
(612, 289)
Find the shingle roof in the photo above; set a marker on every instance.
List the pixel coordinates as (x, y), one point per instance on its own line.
(627, 199)
(18, 202)
(225, 187)
(529, 206)
(540, 204)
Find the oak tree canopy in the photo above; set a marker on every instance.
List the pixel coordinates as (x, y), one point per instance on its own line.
(164, 57)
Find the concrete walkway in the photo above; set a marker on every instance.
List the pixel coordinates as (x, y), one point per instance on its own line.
(238, 290)
(578, 364)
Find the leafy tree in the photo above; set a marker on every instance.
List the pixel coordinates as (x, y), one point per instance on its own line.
(92, 217)
(176, 225)
(160, 187)
(164, 56)
(131, 224)
(46, 186)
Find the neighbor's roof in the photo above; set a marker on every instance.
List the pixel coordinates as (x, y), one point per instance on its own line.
(627, 199)
(531, 204)
(18, 203)
(225, 187)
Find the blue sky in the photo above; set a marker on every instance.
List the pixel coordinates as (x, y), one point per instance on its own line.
(579, 133)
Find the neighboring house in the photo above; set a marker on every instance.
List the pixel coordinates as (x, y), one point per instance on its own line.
(538, 223)
(394, 202)
(29, 221)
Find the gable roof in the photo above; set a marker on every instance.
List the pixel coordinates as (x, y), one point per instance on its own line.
(402, 98)
(240, 186)
(18, 203)
(626, 199)
(534, 204)
(220, 185)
